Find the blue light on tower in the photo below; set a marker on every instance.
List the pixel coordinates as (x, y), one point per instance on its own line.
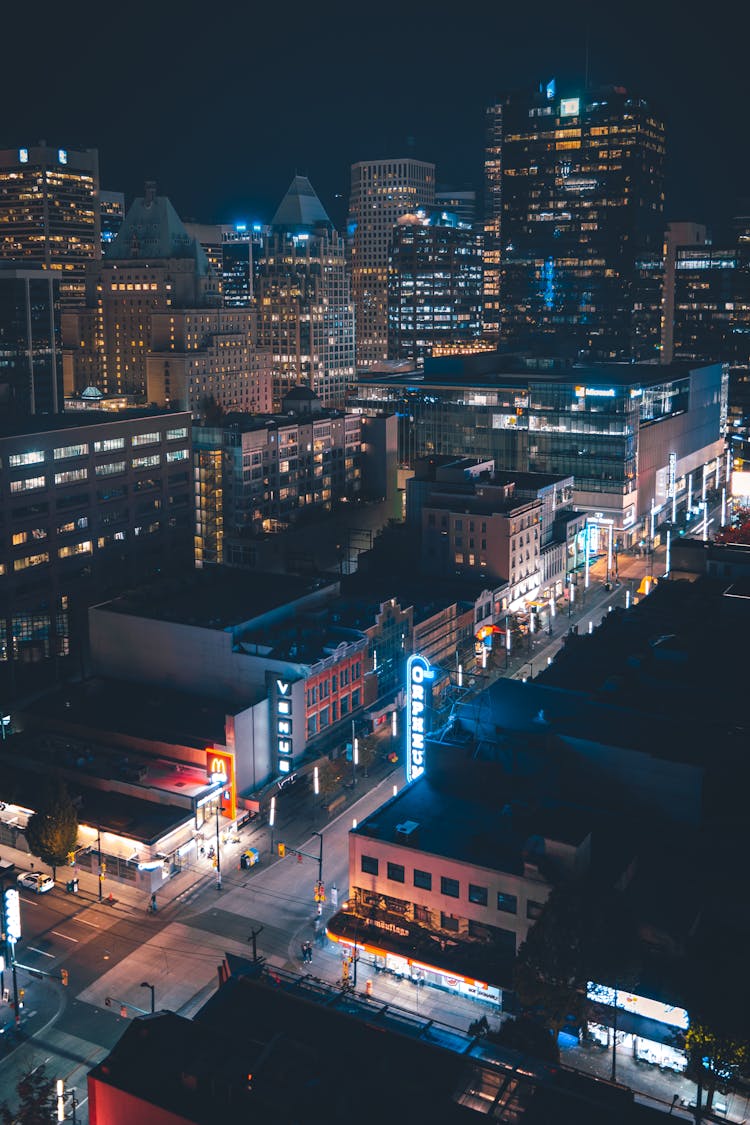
(548, 277)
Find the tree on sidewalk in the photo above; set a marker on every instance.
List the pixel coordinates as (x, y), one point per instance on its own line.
(36, 1100)
(714, 1058)
(584, 933)
(52, 831)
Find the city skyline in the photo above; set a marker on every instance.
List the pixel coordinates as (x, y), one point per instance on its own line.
(226, 147)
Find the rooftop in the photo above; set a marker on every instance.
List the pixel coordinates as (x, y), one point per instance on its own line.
(498, 369)
(216, 599)
(135, 818)
(488, 831)
(299, 1060)
(141, 711)
(49, 423)
(300, 207)
(152, 230)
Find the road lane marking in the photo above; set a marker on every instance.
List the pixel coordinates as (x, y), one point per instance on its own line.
(66, 936)
(83, 922)
(33, 949)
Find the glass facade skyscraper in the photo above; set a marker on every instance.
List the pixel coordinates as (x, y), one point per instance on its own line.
(574, 207)
(30, 351)
(434, 285)
(49, 213)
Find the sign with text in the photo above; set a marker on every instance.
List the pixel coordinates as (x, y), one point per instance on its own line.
(419, 677)
(222, 762)
(283, 729)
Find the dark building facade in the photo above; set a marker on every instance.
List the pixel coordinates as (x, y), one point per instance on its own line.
(30, 347)
(89, 503)
(711, 288)
(434, 285)
(574, 190)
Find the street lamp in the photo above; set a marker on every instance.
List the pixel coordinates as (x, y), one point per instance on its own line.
(220, 777)
(145, 984)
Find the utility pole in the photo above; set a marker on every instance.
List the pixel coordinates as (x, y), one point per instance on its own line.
(253, 938)
(614, 1037)
(99, 851)
(218, 846)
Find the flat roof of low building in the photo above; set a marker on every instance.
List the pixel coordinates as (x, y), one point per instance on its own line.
(496, 369)
(144, 711)
(136, 819)
(49, 423)
(216, 598)
(491, 831)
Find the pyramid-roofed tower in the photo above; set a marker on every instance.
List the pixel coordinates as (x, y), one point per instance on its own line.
(300, 207)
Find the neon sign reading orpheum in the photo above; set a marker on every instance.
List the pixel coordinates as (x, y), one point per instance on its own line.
(419, 675)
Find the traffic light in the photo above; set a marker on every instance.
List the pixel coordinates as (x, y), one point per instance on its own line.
(282, 849)
(320, 892)
(64, 977)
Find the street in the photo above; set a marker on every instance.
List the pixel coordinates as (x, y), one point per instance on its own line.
(117, 954)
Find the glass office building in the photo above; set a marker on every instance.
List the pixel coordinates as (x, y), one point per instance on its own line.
(626, 433)
(30, 351)
(574, 206)
(49, 213)
(434, 285)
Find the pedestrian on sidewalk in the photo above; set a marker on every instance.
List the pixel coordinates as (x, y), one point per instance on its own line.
(152, 904)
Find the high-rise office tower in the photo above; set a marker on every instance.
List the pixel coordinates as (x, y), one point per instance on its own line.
(458, 201)
(710, 294)
(434, 285)
(305, 313)
(234, 252)
(677, 236)
(49, 212)
(30, 346)
(574, 202)
(112, 216)
(382, 191)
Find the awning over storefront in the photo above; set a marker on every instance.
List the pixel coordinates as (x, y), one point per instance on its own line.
(382, 934)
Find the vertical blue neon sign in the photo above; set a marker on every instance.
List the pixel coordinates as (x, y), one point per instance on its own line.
(419, 675)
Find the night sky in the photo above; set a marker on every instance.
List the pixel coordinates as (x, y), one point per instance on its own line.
(222, 103)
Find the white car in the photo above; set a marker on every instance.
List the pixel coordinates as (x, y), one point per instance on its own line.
(35, 881)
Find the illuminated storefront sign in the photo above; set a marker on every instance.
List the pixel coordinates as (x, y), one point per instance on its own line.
(284, 729)
(570, 107)
(672, 474)
(419, 675)
(221, 762)
(640, 1005)
(12, 915)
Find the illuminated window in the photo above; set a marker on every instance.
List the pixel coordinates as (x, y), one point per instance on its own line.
(35, 457)
(72, 476)
(65, 451)
(147, 462)
(30, 560)
(145, 439)
(27, 485)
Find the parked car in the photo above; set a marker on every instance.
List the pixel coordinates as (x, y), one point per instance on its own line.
(35, 881)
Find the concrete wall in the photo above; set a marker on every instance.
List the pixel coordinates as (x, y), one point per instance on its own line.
(526, 889)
